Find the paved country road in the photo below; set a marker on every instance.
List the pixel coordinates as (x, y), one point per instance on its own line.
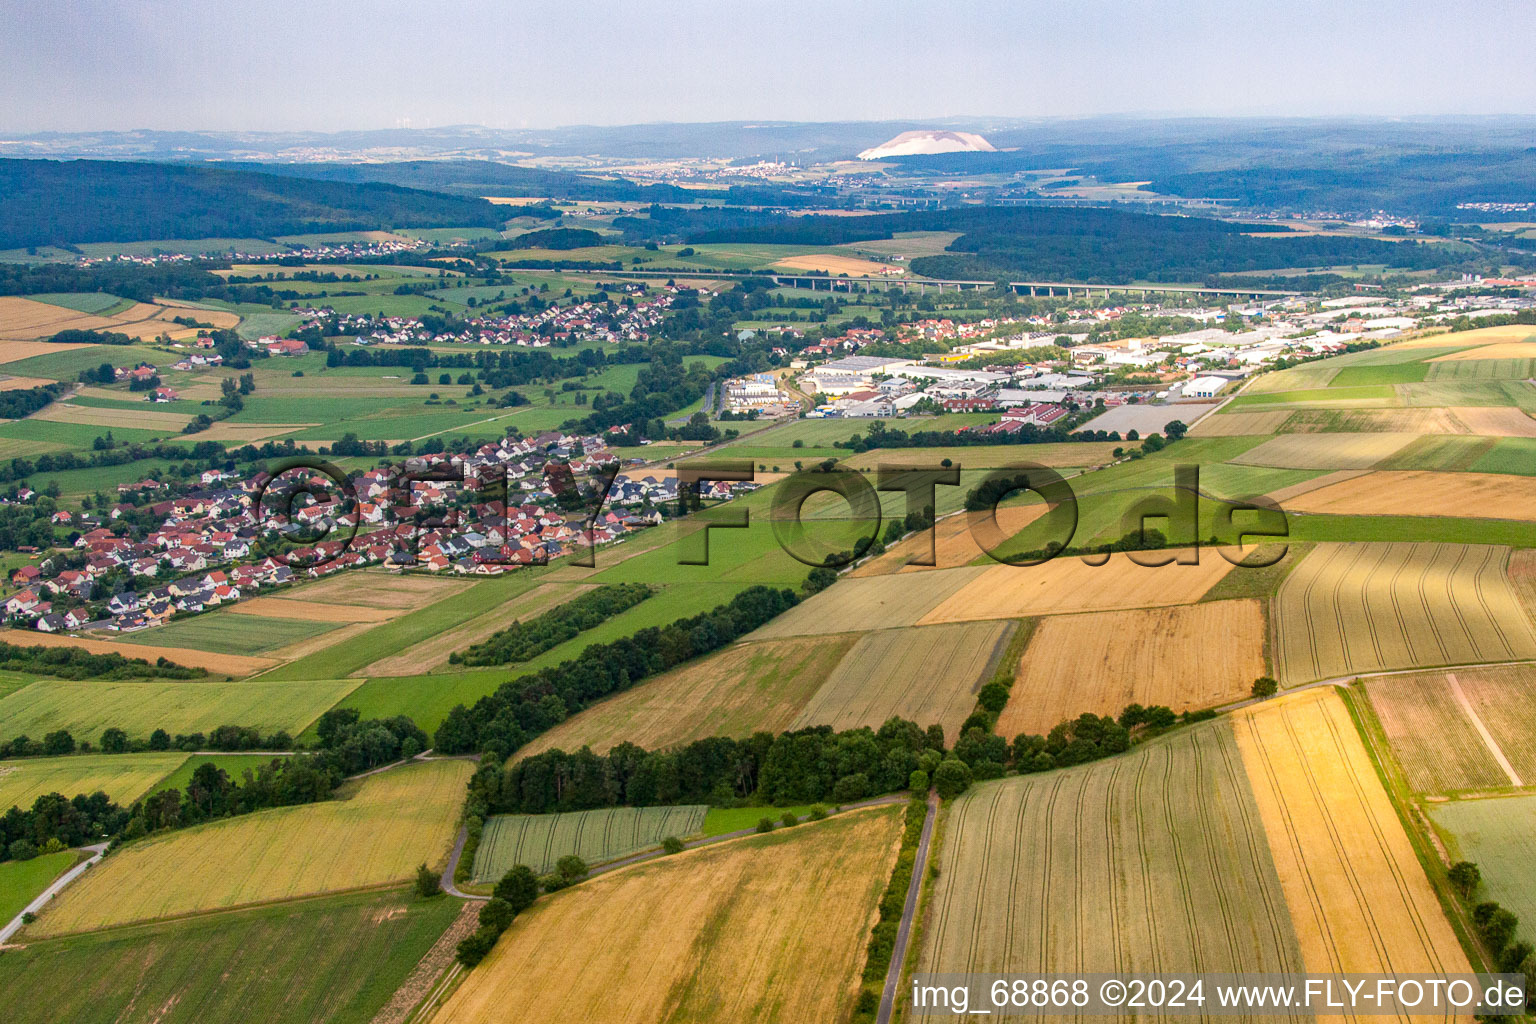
(908, 912)
(53, 890)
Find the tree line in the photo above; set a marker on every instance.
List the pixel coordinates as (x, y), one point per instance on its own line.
(524, 707)
(348, 745)
(524, 640)
(78, 663)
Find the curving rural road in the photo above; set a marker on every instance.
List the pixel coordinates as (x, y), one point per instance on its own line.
(908, 912)
(97, 850)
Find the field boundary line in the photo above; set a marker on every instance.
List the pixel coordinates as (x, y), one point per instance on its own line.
(1482, 730)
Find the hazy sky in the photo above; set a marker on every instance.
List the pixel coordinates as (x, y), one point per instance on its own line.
(334, 64)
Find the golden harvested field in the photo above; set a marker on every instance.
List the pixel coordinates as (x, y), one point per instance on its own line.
(770, 928)
(1237, 424)
(1497, 350)
(221, 318)
(27, 320)
(848, 265)
(1483, 336)
(1187, 657)
(375, 833)
(228, 664)
(1358, 609)
(874, 602)
(247, 433)
(1357, 894)
(1436, 744)
(743, 689)
(953, 542)
(925, 674)
(1424, 493)
(1057, 456)
(1072, 585)
(380, 589)
(21, 383)
(1494, 421)
(148, 418)
(123, 777)
(433, 652)
(1149, 862)
(11, 351)
(1285, 494)
(312, 611)
(1522, 576)
(1325, 451)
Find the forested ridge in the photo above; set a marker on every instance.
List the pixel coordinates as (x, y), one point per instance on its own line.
(57, 202)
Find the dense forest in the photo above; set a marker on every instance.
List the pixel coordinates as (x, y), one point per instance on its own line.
(52, 202)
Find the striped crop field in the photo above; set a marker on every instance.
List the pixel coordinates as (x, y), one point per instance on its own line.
(1357, 893)
(372, 833)
(925, 674)
(873, 602)
(1325, 451)
(770, 929)
(1154, 861)
(1186, 657)
(539, 840)
(1352, 609)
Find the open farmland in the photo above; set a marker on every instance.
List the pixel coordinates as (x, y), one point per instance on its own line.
(338, 959)
(1357, 894)
(1239, 423)
(1499, 836)
(539, 840)
(1415, 492)
(87, 707)
(1151, 862)
(746, 688)
(1190, 657)
(123, 777)
(1435, 741)
(149, 650)
(432, 653)
(1503, 697)
(1364, 608)
(769, 928)
(952, 543)
(1325, 451)
(927, 674)
(373, 832)
(1073, 585)
(1401, 421)
(875, 602)
(231, 633)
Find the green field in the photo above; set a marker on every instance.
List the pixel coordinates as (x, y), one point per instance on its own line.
(139, 708)
(1499, 835)
(1388, 373)
(1481, 369)
(123, 777)
(233, 765)
(66, 364)
(1364, 396)
(96, 303)
(427, 699)
(389, 638)
(539, 840)
(22, 881)
(229, 633)
(722, 820)
(338, 960)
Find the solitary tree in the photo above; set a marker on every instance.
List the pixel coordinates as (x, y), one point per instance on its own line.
(427, 882)
(1466, 877)
(1265, 687)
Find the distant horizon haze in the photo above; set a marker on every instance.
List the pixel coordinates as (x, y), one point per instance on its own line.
(124, 65)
